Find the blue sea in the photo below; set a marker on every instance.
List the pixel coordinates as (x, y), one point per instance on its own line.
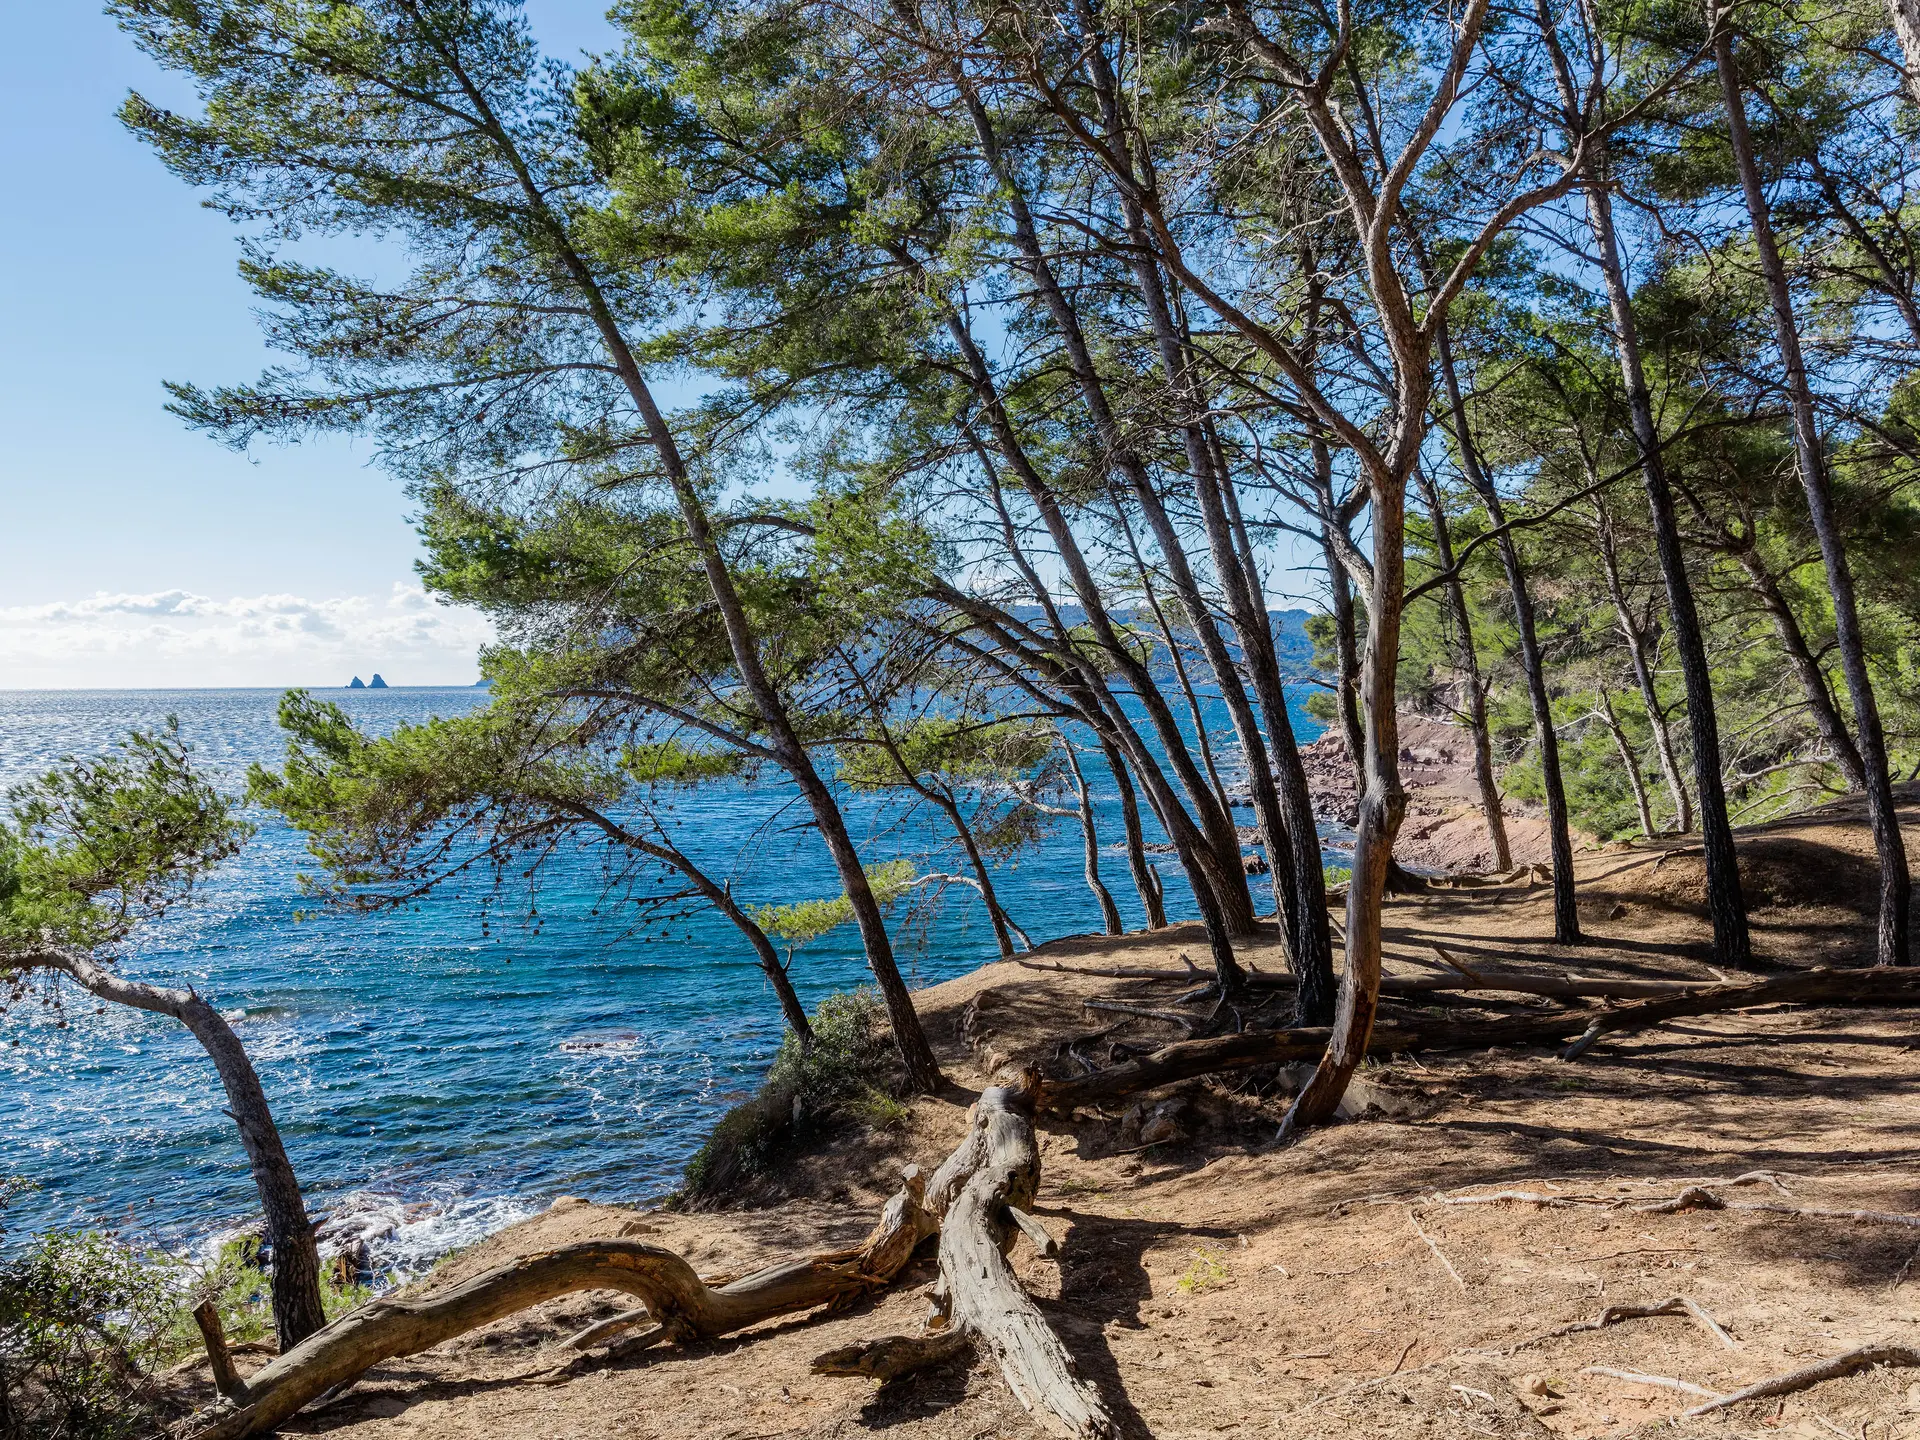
(436, 1077)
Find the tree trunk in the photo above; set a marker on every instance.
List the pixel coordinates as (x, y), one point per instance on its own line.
(1636, 639)
(1200, 845)
(910, 1037)
(1383, 805)
(1346, 652)
(1732, 948)
(1200, 735)
(295, 1260)
(1185, 1059)
(684, 1306)
(715, 894)
(1806, 668)
(1469, 661)
(981, 1194)
(1311, 952)
(1628, 762)
(1226, 876)
(1002, 933)
(1145, 880)
(1895, 882)
(1566, 912)
(771, 966)
(1905, 15)
(1109, 912)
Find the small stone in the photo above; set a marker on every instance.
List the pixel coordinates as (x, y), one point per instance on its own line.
(1160, 1130)
(1533, 1385)
(566, 1202)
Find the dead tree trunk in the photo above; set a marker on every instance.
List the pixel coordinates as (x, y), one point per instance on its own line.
(297, 1311)
(1187, 1059)
(981, 1193)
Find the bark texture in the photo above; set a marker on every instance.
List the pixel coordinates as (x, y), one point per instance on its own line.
(1895, 883)
(994, 1172)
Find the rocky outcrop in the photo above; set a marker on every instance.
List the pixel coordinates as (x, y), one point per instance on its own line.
(1444, 831)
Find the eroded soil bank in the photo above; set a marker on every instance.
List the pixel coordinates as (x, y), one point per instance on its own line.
(1214, 1285)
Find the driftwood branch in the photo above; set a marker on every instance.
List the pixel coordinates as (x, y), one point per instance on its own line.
(980, 1194)
(1186, 1059)
(684, 1306)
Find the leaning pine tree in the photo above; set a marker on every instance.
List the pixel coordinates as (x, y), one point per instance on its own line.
(91, 853)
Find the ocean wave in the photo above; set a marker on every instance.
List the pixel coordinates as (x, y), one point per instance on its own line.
(394, 1239)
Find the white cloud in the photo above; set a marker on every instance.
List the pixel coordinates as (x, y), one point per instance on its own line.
(176, 638)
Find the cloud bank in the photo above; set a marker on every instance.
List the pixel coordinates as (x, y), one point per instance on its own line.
(176, 638)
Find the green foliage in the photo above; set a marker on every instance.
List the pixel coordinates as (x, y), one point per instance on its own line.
(96, 847)
(84, 1320)
(242, 1294)
(804, 921)
(846, 1075)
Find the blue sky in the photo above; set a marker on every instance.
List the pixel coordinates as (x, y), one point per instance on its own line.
(133, 552)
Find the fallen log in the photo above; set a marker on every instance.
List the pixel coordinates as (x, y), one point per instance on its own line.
(1572, 987)
(1188, 1059)
(980, 1194)
(684, 1306)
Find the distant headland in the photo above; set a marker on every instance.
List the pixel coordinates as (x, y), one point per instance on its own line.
(374, 684)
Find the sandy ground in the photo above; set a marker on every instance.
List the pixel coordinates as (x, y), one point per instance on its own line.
(1215, 1285)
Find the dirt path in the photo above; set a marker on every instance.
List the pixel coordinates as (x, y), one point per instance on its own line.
(1215, 1286)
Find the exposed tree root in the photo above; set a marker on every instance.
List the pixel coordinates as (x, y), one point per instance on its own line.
(980, 1194)
(1462, 979)
(1638, 1378)
(1186, 1059)
(1808, 1376)
(684, 1306)
(1614, 1314)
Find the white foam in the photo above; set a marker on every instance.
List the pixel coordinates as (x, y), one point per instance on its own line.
(403, 1238)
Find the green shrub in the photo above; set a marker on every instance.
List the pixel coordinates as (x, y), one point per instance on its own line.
(87, 1321)
(846, 1074)
(84, 1322)
(243, 1295)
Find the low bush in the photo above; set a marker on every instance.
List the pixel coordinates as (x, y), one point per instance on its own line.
(84, 1323)
(847, 1075)
(87, 1322)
